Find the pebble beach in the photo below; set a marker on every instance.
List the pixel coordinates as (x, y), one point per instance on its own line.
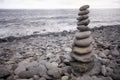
(47, 56)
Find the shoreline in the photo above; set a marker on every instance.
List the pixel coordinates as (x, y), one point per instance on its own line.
(12, 38)
(47, 57)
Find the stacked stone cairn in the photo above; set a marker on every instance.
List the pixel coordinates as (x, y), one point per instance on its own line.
(83, 59)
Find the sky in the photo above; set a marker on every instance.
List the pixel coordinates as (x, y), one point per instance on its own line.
(57, 4)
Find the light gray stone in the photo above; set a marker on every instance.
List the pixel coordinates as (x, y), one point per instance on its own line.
(85, 77)
(68, 49)
(36, 77)
(82, 35)
(54, 73)
(26, 74)
(103, 69)
(65, 78)
(22, 66)
(42, 78)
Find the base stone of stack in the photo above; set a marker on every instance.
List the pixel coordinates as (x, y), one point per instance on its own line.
(79, 67)
(83, 17)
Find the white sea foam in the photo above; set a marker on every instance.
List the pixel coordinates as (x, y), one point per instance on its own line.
(27, 22)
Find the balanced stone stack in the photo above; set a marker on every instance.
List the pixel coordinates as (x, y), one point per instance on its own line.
(82, 46)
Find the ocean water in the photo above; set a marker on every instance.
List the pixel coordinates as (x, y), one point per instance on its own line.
(26, 22)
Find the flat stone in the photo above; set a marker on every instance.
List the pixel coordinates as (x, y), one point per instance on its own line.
(83, 58)
(82, 35)
(83, 12)
(82, 17)
(83, 42)
(82, 50)
(102, 55)
(83, 22)
(80, 67)
(83, 28)
(84, 7)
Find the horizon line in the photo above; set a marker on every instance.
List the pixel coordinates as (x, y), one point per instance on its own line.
(51, 8)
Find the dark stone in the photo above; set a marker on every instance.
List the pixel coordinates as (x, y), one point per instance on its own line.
(4, 72)
(83, 17)
(80, 67)
(84, 7)
(84, 22)
(83, 12)
(83, 28)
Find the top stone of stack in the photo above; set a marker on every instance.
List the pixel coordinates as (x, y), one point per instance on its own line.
(84, 7)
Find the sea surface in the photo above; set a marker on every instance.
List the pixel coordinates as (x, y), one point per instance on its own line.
(27, 22)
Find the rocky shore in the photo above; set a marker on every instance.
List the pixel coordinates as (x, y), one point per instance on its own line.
(47, 57)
